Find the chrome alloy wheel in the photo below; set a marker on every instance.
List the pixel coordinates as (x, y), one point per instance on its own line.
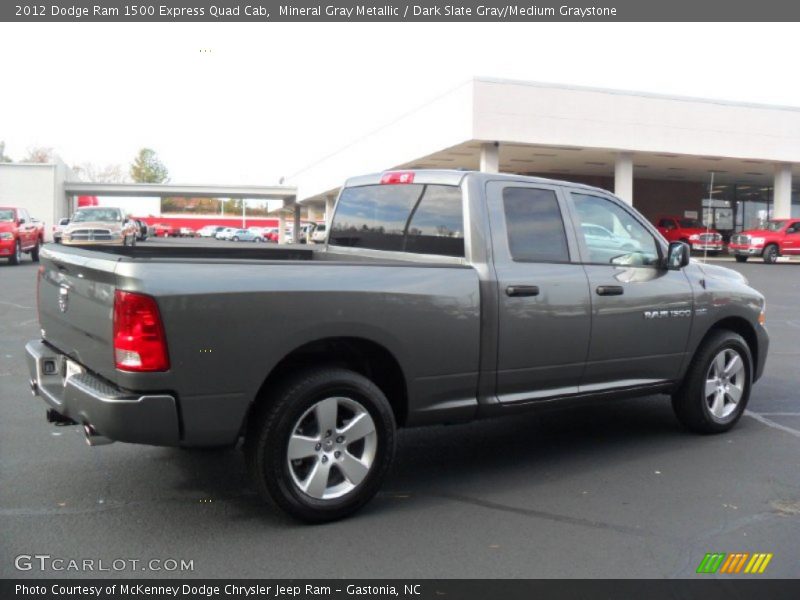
(725, 383)
(332, 448)
(18, 252)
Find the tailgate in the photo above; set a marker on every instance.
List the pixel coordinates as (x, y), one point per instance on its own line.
(76, 303)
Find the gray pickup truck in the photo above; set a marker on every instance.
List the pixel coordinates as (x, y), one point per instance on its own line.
(438, 297)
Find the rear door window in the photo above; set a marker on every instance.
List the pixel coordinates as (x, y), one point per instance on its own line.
(535, 226)
(423, 219)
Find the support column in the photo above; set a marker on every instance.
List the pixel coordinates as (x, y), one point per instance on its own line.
(782, 195)
(623, 177)
(281, 227)
(296, 225)
(490, 157)
(330, 202)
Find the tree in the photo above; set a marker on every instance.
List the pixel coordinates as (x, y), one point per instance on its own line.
(3, 157)
(147, 168)
(39, 154)
(88, 171)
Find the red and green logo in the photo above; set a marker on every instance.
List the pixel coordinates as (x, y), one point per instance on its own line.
(736, 562)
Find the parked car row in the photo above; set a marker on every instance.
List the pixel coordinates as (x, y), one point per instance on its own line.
(309, 233)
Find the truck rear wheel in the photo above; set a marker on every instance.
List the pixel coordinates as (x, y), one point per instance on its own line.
(321, 450)
(716, 389)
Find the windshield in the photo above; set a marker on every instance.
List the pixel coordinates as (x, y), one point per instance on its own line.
(96, 214)
(691, 224)
(6, 214)
(775, 225)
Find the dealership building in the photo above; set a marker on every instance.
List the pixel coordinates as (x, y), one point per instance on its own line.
(730, 164)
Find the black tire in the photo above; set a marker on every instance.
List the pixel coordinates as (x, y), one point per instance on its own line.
(35, 251)
(690, 402)
(270, 428)
(235, 238)
(16, 258)
(133, 241)
(770, 254)
(740, 259)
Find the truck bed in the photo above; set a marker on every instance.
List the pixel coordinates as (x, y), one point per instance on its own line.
(230, 315)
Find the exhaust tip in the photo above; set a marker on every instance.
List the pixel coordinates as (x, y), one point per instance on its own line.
(93, 438)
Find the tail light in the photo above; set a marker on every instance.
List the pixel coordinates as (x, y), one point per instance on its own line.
(398, 177)
(139, 340)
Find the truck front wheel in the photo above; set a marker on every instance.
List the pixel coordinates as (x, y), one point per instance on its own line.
(322, 448)
(716, 389)
(770, 254)
(16, 258)
(35, 251)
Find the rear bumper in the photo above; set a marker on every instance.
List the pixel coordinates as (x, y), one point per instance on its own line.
(114, 413)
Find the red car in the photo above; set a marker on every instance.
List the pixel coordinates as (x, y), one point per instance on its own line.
(780, 237)
(691, 231)
(165, 230)
(19, 233)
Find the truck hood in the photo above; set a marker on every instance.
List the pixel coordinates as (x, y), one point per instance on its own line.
(759, 233)
(111, 225)
(717, 272)
(696, 230)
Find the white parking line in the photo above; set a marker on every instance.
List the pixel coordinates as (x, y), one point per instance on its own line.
(16, 305)
(773, 424)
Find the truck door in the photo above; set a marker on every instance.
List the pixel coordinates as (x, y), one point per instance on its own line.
(26, 229)
(791, 242)
(641, 312)
(544, 306)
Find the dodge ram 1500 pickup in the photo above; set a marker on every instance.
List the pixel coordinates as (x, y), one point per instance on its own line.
(778, 237)
(691, 231)
(437, 297)
(19, 234)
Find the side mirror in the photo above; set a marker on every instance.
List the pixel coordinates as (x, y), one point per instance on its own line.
(678, 255)
(21, 222)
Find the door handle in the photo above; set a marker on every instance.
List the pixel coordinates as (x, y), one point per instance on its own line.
(610, 290)
(522, 290)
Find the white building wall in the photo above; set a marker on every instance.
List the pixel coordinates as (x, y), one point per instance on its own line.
(535, 113)
(33, 187)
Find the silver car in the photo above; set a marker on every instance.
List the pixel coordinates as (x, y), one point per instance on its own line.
(246, 235)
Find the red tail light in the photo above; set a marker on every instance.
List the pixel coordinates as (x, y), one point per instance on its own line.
(139, 340)
(398, 177)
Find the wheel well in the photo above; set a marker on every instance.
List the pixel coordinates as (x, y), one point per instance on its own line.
(357, 354)
(744, 329)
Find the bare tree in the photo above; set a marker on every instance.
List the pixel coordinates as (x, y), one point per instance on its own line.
(39, 154)
(111, 173)
(3, 157)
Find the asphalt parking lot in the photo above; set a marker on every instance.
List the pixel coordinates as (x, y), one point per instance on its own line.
(618, 490)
